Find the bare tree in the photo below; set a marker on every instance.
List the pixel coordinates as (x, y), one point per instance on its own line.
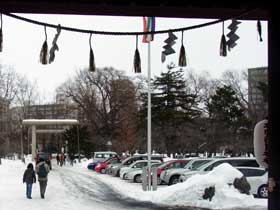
(104, 99)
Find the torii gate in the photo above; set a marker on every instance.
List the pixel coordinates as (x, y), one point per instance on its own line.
(34, 122)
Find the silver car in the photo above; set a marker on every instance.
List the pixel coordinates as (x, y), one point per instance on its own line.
(126, 162)
(135, 166)
(171, 176)
(205, 168)
(136, 175)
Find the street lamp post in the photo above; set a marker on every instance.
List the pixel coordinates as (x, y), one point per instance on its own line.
(78, 137)
(21, 143)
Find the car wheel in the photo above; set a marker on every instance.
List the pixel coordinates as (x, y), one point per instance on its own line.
(102, 171)
(174, 180)
(124, 176)
(263, 191)
(137, 178)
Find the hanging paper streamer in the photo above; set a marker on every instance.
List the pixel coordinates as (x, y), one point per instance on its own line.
(91, 57)
(149, 25)
(232, 36)
(168, 50)
(259, 27)
(1, 36)
(182, 56)
(223, 44)
(137, 60)
(44, 50)
(54, 45)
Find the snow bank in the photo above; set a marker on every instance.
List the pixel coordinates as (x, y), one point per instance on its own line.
(190, 192)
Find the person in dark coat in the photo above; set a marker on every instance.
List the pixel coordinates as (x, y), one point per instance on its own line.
(42, 177)
(29, 178)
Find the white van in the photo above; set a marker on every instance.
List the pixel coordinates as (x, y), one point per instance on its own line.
(102, 156)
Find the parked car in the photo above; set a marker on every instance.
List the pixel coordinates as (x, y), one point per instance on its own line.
(171, 164)
(46, 156)
(136, 175)
(205, 168)
(257, 178)
(171, 176)
(115, 170)
(100, 157)
(100, 167)
(139, 164)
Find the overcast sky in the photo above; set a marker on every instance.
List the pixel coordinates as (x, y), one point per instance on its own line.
(22, 43)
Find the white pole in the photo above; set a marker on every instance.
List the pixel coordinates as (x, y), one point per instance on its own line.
(33, 142)
(149, 117)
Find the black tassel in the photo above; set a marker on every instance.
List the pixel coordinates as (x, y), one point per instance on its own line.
(223, 44)
(137, 62)
(1, 36)
(259, 27)
(137, 59)
(44, 53)
(1, 40)
(91, 57)
(91, 61)
(182, 57)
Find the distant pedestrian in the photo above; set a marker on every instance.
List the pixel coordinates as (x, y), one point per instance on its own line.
(62, 159)
(72, 157)
(57, 159)
(42, 170)
(29, 178)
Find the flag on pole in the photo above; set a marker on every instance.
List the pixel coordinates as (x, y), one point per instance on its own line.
(149, 24)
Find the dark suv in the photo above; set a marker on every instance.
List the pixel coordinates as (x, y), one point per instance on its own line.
(47, 157)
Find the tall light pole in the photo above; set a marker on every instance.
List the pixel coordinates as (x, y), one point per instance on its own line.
(149, 116)
(78, 137)
(21, 143)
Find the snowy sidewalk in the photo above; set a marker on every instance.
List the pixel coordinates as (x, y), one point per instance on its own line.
(72, 188)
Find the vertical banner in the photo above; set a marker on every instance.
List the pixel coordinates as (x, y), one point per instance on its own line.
(149, 25)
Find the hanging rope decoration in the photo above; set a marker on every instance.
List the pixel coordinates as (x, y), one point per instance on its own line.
(54, 45)
(232, 36)
(223, 44)
(1, 35)
(259, 27)
(137, 60)
(91, 57)
(182, 56)
(168, 50)
(44, 56)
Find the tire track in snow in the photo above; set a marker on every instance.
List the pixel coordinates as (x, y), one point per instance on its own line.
(87, 187)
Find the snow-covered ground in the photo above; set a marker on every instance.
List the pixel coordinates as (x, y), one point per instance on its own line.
(77, 187)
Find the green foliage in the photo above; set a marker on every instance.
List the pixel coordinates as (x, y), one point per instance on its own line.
(171, 102)
(72, 138)
(172, 105)
(225, 106)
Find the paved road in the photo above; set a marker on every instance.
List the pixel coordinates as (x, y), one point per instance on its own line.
(87, 188)
(91, 190)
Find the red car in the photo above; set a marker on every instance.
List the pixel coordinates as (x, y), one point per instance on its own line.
(101, 166)
(177, 163)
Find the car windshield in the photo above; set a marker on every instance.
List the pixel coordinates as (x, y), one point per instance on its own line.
(197, 164)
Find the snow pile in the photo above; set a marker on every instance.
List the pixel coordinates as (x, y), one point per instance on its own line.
(190, 192)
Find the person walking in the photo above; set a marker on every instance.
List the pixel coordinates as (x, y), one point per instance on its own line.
(29, 178)
(57, 159)
(42, 170)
